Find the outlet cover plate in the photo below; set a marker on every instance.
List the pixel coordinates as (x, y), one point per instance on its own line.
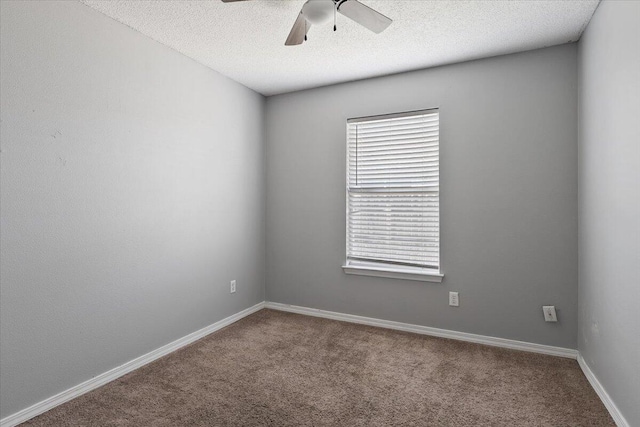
(549, 312)
(454, 300)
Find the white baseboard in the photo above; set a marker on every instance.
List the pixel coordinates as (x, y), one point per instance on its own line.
(104, 378)
(426, 330)
(602, 393)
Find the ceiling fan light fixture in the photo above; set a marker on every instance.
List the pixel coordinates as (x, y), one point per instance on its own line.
(318, 12)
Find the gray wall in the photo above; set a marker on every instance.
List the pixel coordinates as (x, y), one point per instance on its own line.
(508, 196)
(132, 192)
(609, 287)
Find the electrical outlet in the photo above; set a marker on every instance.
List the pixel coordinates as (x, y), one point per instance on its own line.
(233, 287)
(549, 313)
(453, 299)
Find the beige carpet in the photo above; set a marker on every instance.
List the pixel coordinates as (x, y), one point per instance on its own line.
(281, 369)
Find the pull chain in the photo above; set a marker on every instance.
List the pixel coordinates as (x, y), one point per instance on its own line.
(305, 30)
(334, 16)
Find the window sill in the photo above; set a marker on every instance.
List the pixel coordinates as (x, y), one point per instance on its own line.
(404, 273)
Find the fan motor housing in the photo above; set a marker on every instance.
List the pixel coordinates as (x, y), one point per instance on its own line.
(318, 12)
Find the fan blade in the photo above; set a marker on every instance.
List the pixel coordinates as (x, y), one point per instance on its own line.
(299, 30)
(364, 15)
(231, 1)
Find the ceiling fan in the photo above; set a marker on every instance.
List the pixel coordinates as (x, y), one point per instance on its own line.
(316, 12)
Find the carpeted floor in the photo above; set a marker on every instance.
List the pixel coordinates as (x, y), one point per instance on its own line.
(281, 369)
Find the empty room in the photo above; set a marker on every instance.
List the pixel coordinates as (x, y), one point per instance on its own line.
(320, 213)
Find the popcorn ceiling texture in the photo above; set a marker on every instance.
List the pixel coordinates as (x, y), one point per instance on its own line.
(245, 40)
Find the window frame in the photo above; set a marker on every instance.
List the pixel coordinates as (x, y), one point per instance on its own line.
(382, 269)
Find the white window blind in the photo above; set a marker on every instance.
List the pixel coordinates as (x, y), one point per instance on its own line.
(393, 213)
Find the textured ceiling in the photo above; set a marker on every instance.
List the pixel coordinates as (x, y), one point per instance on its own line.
(245, 40)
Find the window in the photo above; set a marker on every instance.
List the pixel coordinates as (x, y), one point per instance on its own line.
(393, 216)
